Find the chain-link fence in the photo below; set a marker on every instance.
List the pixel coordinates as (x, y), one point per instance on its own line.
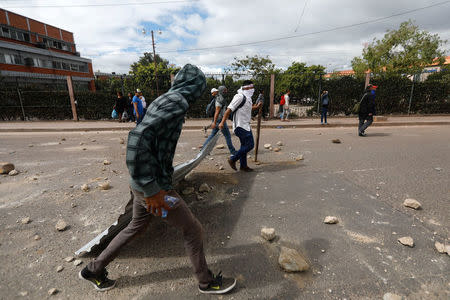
(396, 94)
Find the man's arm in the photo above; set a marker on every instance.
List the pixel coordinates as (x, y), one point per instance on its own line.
(256, 106)
(225, 118)
(136, 109)
(216, 115)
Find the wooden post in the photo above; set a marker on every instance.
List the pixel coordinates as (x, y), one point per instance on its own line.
(72, 98)
(258, 129)
(367, 80)
(172, 77)
(272, 92)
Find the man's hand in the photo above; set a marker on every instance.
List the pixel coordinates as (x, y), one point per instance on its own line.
(221, 125)
(212, 126)
(156, 202)
(370, 114)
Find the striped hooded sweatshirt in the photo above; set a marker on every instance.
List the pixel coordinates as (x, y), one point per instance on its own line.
(151, 145)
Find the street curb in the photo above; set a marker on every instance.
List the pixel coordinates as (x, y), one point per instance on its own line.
(274, 126)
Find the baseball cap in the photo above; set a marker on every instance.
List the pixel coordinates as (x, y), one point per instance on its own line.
(214, 90)
(138, 90)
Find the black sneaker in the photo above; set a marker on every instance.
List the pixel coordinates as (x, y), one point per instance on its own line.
(362, 134)
(232, 164)
(246, 169)
(101, 282)
(219, 285)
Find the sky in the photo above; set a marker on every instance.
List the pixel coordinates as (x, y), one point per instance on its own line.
(308, 31)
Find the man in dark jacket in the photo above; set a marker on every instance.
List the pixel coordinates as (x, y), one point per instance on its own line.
(367, 109)
(150, 151)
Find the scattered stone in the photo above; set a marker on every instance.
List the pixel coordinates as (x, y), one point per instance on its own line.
(106, 162)
(121, 141)
(440, 247)
(23, 294)
(220, 146)
(194, 148)
(270, 148)
(104, 186)
(323, 250)
(93, 141)
(257, 163)
(85, 188)
(221, 168)
(6, 167)
(68, 259)
(280, 143)
(390, 296)
(211, 158)
(59, 268)
(61, 225)
(77, 262)
(204, 188)
(30, 145)
(276, 149)
(447, 249)
(291, 261)
(13, 173)
(52, 291)
(37, 237)
(268, 233)
(331, 220)
(81, 144)
(300, 157)
(267, 146)
(73, 205)
(84, 149)
(63, 139)
(188, 191)
(412, 203)
(407, 241)
(25, 220)
(438, 169)
(336, 141)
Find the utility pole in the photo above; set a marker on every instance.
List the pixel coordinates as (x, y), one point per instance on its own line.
(154, 59)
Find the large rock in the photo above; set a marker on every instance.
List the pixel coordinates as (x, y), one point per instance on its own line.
(276, 149)
(204, 188)
(104, 186)
(6, 167)
(268, 233)
(391, 296)
(25, 220)
(299, 157)
(106, 162)
(52, 291)
(13, 173)
(440, 247)
(85, 188)
(336, 141)
(267, 146)
(331, 220)
(279, 143)
(406, 241)
(291, 261)
(61, 225)
(412, 203)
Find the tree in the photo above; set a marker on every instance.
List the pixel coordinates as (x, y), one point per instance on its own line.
(404, 51)
(256, 65)
(300, 79)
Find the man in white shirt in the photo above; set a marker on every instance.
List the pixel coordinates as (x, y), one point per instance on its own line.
(285, 113)
(241, 106)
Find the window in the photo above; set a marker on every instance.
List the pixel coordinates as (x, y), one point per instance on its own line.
(57, 65)
(66, 66)
(18, 59)
(8, 59)
(65, 47)
(74, 67)
(2, 58)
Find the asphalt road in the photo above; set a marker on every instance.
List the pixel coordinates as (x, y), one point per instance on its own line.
(362, 181)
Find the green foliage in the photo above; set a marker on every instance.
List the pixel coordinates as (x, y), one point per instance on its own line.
(256, 65)
(300, 79)
(406, 50)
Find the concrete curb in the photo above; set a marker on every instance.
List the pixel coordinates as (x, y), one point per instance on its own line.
(198, 127)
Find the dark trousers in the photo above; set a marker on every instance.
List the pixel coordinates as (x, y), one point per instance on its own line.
(180, 217)
(247, 144)
(324, 114)
(364, 122)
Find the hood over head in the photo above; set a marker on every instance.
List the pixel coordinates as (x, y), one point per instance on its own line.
(222, 88)
(190, 82)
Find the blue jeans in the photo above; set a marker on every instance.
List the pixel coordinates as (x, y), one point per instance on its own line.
(139, 120)
(247, 144)
(285, 113)
(226, 134)
(324, 114)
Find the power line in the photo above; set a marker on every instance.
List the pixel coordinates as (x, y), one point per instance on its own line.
(301, 16)
(310, 33)
(102, 5)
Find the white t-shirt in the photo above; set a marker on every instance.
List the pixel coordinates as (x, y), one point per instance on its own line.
(243, 116)
(286, 100)
(144, 104)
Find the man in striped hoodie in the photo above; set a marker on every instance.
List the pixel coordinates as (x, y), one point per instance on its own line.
(150, 151)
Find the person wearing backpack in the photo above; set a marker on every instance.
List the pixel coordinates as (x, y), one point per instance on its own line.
(242, 107)
(215, 109)
(366, 109)
(325, 99)
(285, 102)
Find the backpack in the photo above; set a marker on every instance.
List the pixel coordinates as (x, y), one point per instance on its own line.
(237, 108)
(211, 108)
(325, 100)
(357, 106)
(282, 101)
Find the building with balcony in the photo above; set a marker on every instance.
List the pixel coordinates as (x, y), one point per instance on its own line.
(32, 52)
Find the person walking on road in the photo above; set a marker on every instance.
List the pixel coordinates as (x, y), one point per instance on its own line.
(366, 109)
(325, 100)
(285, 113)
(242, 107)
(138, 107)
(150, 151)
(120, 105)
(130, 108)
(220, 107)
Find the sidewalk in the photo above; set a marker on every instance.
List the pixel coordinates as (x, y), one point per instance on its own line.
(43, 126)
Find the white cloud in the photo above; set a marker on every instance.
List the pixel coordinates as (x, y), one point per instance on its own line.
(105, 33)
